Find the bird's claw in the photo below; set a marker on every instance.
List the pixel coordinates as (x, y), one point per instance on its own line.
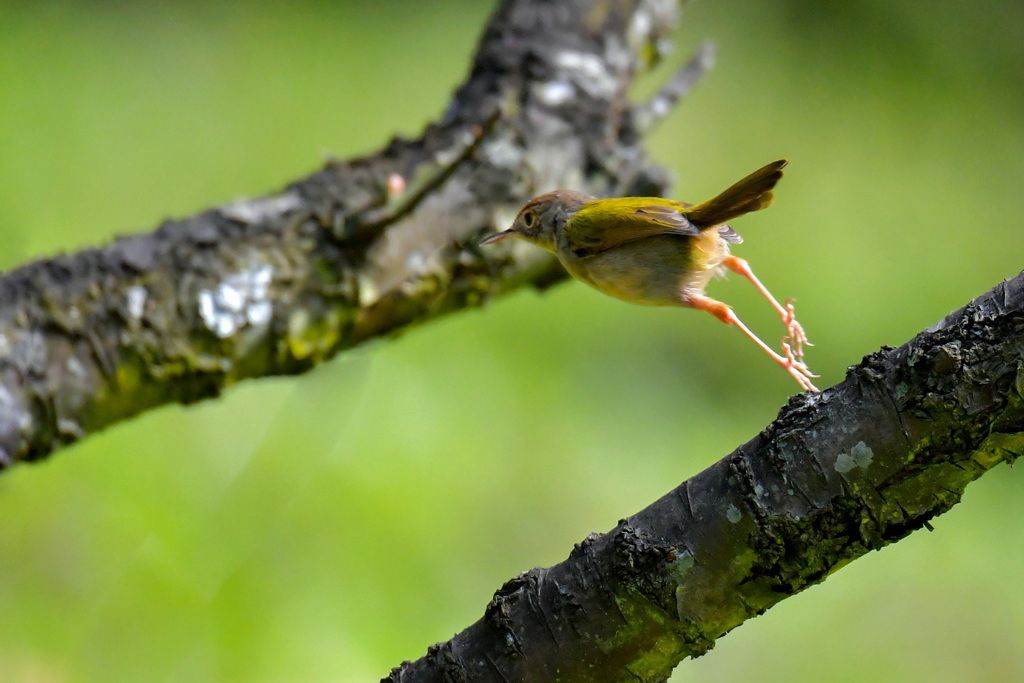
(795, 331)
(797, 368)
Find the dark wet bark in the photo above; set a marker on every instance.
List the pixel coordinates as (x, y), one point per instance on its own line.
(836, 475)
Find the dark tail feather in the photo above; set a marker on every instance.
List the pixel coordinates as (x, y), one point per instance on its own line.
(753, 193)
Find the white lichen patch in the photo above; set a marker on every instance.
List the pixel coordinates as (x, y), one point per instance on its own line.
(733, 514)
(660, 107)
(655, 18)
(369, 291)
(446, 157)
(502, 153)
(416, 263)
(14, 418)
(258, 210)
(27, 350)
(136, 303)
(76, 389)
(241, 299)
(860, 456)
(75, 368)
(639, 30)
(554, 93)
(588, 72)
(680, 569)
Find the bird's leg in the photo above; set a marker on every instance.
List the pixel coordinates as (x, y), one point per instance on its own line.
(794, 329)
(793, 365)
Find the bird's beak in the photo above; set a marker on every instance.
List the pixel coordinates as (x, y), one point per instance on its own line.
(497, 237)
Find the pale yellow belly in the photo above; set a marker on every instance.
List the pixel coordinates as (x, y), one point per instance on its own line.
(655, 271)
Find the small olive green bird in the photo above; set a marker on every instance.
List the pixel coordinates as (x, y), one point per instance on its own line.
(660, 252)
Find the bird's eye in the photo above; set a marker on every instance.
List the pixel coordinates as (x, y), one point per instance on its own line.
(529, 220)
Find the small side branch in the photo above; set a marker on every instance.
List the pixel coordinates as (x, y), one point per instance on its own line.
(676, 88)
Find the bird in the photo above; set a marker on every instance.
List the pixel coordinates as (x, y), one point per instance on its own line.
(661, 252)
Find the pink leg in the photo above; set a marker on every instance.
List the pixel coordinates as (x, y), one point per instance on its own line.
(794, 329)
(794, 366)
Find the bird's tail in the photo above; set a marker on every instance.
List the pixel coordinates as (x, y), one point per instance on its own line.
(753, 193)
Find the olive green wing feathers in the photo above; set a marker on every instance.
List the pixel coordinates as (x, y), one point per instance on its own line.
(674, 218)
(605, 224)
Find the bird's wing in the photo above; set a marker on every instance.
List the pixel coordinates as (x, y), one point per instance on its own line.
(608, 223)
(729, 235)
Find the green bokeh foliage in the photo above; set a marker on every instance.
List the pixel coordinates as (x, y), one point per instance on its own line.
(326, 527)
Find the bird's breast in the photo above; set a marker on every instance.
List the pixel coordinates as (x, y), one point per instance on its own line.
(654, 271)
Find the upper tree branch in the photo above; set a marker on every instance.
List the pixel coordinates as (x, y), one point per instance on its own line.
(361, 248)
(836, 475)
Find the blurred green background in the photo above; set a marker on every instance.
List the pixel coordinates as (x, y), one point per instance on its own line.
(327, 527)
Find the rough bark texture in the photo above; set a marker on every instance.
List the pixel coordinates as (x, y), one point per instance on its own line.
(362, 248)
(836, 475)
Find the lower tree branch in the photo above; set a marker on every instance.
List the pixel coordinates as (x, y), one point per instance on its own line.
(836, 475)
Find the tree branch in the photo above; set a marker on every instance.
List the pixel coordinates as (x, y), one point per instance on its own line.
(836, 475)
(362, 248)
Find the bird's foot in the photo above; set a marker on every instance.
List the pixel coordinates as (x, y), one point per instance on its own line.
(796, 367)
(795, 334)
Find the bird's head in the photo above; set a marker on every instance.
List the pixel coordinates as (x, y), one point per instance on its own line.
(541, 218)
